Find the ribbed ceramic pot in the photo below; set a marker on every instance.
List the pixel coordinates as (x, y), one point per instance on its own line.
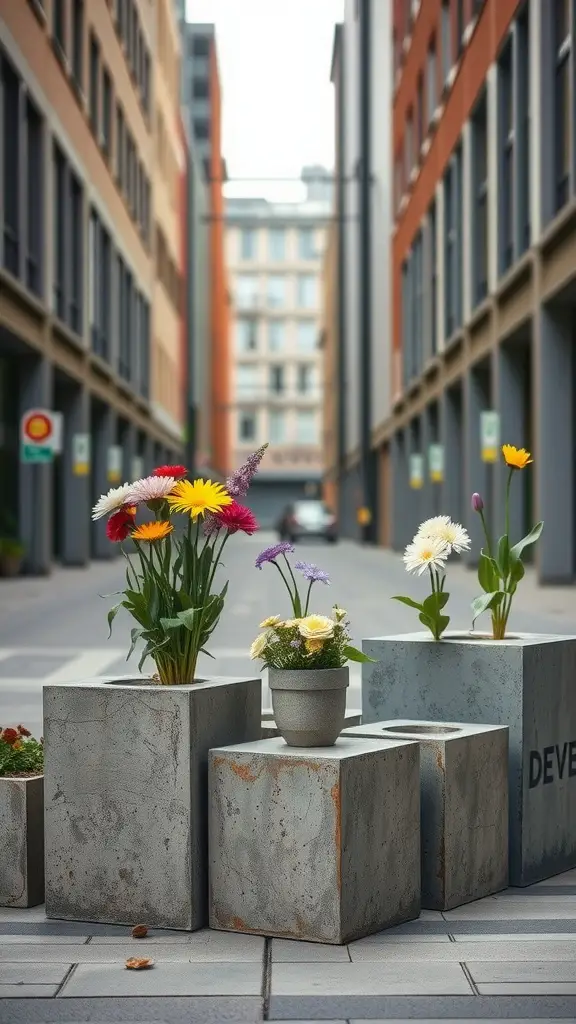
(309, 704)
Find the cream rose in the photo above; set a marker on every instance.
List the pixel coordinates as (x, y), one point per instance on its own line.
(316, 627)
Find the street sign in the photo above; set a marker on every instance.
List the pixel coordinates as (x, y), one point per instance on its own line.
(436, 463)
(137, 467)
(81, 454)
(40, 431)
(489, 435)
(114, 464)
(416, 471)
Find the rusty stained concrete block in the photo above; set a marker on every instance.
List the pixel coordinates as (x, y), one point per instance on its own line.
(21, 841)
(320, 844)
(464, 807)
(126, 795)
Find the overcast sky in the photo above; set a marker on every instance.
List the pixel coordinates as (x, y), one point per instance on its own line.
(278, 110)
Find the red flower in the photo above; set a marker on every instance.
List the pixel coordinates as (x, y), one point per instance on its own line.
(177, 471)
(24, 731)
(236, 517)
(10, 736)
(121, 524)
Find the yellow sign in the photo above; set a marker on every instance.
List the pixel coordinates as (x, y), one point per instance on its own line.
(416, 471)
(436, 463)
(489, 435)
(114, 464)
(364, 516)
(81, 454)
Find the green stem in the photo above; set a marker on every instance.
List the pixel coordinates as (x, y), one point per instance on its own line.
(507, 524)
(486, 534)
(297, 614)
(308, 597)
(294, 599)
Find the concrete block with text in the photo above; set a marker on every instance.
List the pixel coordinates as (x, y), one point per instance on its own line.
(319, 843)
(525, 682)
(464, 806)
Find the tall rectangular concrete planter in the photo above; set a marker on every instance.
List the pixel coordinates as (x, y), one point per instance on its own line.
(21, 841)
(527, 682)
(463, 806)
(316, 843)
(126, 795)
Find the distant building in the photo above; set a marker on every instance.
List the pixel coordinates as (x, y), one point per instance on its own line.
(275, 253)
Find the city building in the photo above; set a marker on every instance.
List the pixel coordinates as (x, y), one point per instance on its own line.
(484, 269)
(357, 336)
(81, 85)
(275, 252)
(209, 399)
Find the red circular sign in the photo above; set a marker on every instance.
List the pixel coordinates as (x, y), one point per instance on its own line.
(37, 427)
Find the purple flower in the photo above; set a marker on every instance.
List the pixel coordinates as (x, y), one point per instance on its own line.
(238, 483)
(476, 502)
(271, 553)
(295, 643)
(312, 573)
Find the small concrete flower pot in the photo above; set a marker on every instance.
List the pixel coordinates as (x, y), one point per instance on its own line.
(21, 841)
(309, 704)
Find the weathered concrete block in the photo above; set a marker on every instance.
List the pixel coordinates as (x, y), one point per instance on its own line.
(320, 844)
(126, 795)
(463, 807)
(21, 842)
(526, 682)
(270, 729)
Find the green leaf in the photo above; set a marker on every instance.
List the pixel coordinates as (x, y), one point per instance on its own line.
(517, 571)
(530, 538)
(486, 601)
(207, 653)
(352, 654)
(171, 623)
(409, 602)
(443, 622)
(112, 615)
(135, 635)
(434, 603)
(504, 556)
(188, 617)
(427, 621)
(488, 575)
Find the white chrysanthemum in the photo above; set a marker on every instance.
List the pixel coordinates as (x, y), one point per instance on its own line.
(426, 553)
(442, 528)
(111, 502)
(258, 646)
(151, 488)
(430, 527)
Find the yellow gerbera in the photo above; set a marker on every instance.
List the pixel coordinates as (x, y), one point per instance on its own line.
(316, 627)
(196, 498)
(272, 620)
(152, 531)
(312, 646)
(516, 458)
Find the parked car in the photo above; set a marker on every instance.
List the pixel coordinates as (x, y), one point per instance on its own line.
(308, 519)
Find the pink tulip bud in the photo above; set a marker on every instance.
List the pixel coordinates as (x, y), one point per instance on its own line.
(477, 503)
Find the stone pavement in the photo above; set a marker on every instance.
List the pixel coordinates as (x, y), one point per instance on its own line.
(511, 956)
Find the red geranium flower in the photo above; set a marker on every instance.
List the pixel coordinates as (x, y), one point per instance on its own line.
(10, 735)
(236, 517)
(177, 471)
(24, 731)
(121, 524)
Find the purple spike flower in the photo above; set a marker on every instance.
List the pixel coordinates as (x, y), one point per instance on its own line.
(271, 553)
(238, 483)
(312, 573)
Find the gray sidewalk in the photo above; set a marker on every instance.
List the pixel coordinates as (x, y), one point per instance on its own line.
(510, 956)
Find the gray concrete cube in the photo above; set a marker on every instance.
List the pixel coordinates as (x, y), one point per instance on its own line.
(270, 729)
(320, 844)
(126, 795)
(527, 682)
(21, 842)
(463, 807)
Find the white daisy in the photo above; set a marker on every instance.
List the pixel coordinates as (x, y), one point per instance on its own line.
(151, 488)
(442, 528)
(111, 502)
(258, 646)
(430, 526)
(426, 553)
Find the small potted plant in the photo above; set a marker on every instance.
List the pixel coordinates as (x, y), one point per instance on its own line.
(21, 818)
(11, 554)
(306, 656)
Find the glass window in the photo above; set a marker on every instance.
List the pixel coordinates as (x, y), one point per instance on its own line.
(306, 426)
(34, 198)
(453, 243)
(277, 244)
(306, 336)
(459, 24)
(247, 244)
(276, 335)
(507, 158)
(246, 426)
(106, 112)
(446, 32)
(246, 380)
(276, 290)
(431, 81)
(11, 183)
(94, 78)
(58, 23)
(433, 280)
(562, 90)
(523, 129)
(120, 146)
(77, 246)
(277, 426)
(59, 232)
(277, 380)
(246, 335)
(246, 291)
(480, 185)
(78, 42)
(305, 374)
(307, 291)
(306, 244)
(409, 145)
(420, 114)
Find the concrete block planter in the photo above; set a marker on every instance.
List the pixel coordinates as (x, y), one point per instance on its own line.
(464, 807)
(21, 841)
(126, 795)
(526, 682)
(320, 844)
(270, 729)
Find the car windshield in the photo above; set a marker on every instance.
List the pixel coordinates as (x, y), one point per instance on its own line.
(311, 512)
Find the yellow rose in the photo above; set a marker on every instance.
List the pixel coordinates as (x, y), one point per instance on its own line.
(316, 627)
(258, 646)
(312, 646)
(272, 620)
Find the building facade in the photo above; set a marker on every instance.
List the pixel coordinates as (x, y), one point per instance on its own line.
(78, 257)
(484, 268)
(275, 253)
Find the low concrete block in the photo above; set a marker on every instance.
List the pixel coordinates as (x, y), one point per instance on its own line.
(463, 807)
(525, 682)
(270, 729)
(21, 842)
(320, 844)
(126, 795)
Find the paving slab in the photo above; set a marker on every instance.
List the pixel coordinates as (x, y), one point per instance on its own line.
(482, 971)
(33, 974)
(508, 907)
(290, 951)
(139, 1010)
(165, 979)
(537, 936)
(19, 990)
(203, 945)
(454, 952)
(397, 978)
(43, 940)
(88, 953)
(541, 988)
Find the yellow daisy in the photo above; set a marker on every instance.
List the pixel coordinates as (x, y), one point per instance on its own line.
(516, 458)
(152, 531)
(272, 620)
(194, 499)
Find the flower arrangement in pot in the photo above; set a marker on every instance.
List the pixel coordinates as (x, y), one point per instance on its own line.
(171, 587)
(22, 815)
(306, 656)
